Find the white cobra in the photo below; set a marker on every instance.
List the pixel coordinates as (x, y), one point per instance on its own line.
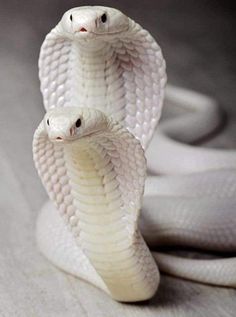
(94, 170)
(96, 57)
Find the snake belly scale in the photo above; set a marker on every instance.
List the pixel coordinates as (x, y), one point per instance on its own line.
(99, 66)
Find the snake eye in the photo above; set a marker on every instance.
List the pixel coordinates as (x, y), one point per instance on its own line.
(47, 121)
(104, 18)
(71, 17)
(78, 123)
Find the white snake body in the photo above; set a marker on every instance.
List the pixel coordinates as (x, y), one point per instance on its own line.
(102, 191)
(117, 67)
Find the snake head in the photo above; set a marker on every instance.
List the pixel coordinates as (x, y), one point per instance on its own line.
(90, 21)
(71, 123)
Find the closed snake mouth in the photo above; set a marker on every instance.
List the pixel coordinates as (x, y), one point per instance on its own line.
(82, 30)
(62, 140)
(85, 31)
(57, 140)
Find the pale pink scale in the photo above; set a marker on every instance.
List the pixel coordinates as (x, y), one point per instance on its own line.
(53, 74)
(63, 180)
(63, 68)
(51, 194)
(60, 101)
(139, 117)
(45, 82)
(140, 93)
(130, 86)
(42, 160)
(61, 171)
(51, 160)
(48, 49)
(140, 82)
(53, 97)
(147, 69)
(62, 208)
(49, 152)
(57, 188)
(133, 52)
(73, 220)
(124, 57)
(66, 189)
(70, 210)
(68, 199)
(146, 127)
(54, 179)
(140, 106)
(63, 58)
(131, 110)
(131, 97)
(147, 115)
(46, 92)
(59, 197)
(61, 78)
(41, 152)
(46, 177)
(153, 122)
(127, 66)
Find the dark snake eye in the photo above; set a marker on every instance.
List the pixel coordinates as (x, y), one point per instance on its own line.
(47, 121)
(71, 17)
(78, 123)
(104, 18)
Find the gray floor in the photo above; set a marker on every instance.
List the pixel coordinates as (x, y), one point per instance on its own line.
(197, 41)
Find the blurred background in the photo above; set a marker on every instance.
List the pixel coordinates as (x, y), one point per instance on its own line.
(198, 43)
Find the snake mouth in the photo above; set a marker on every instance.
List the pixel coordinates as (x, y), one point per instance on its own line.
(57, 139)
(63, 140)
(83, 32)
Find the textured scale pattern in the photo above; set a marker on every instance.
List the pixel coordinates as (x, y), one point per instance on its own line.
(118, 68)
(50, 162)
(98, 191)
(123, 76)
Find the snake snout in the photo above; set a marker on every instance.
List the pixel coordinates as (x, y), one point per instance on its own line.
(82, 21)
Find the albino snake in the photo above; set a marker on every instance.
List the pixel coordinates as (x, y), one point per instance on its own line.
(93, 166)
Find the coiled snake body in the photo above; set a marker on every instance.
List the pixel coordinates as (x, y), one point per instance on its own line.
(102, 78)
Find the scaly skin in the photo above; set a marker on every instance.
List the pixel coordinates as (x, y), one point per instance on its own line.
(117, 67)
(101, 196)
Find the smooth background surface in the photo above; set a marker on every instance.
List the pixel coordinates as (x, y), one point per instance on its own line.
(197, 38)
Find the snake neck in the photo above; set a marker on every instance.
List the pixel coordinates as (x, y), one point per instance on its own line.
(101, 225)
(96, 80)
